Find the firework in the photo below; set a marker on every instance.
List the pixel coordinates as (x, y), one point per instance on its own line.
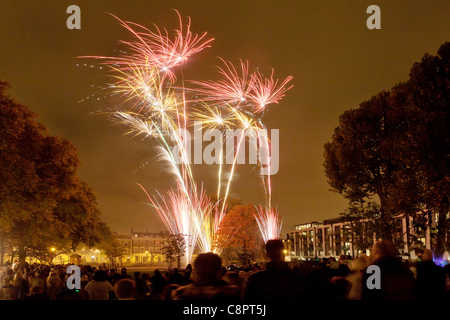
(232, 90)
(245, 90)
(192, 215)
(265, 91)
(269, 223)
(157, 49)
(158, 111)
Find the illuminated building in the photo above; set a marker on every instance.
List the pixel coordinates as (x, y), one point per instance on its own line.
(334, 237)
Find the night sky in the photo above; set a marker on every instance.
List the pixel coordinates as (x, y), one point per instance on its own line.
(336, 62)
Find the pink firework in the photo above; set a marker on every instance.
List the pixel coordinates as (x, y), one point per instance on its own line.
(269, 222)
(232, 90)
(243, 90)
(265, 91)
(156, 49)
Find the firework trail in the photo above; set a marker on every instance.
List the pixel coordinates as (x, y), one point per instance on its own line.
(269, 222)
(187, 215)
(145, 78)
(242, 91)
(157, 49)
(265, 91)
(232, 90)
(141, 78)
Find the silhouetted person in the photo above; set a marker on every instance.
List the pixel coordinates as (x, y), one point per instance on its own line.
(125, 289)
(176, 277)
(340, 288)
(113, 276)
(447, 289)
(431, 278)
(397, 280)
(277, 281)
(36, 293)
(158, 284)
(232, 277)
(141, 286)
(186, 277)
(208, 284)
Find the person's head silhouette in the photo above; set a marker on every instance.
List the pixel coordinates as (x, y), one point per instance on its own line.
(275, 250)
(207, 266)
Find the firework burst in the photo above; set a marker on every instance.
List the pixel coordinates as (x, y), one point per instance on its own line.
(232, 90)
(243, 90)
(265, 91)
(144, 79)
(269, 222)
(155, 48)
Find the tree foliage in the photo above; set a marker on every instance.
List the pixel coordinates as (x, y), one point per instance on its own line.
(174, 249)
(230, 203)
(114, 251)
(396, 146)
(359, 161)
(239, 232)
(43, 203)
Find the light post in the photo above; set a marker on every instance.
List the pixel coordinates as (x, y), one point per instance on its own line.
(52, 255)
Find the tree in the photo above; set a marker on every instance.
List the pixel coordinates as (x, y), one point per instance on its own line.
(359, 161)
(42, 200)
(174, 249)
(364, 224)
(230, 203)
(239, 232)
(113, 251)
(397, 146)
(424, 181)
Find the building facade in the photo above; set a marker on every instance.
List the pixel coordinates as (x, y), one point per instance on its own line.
(137, 248)
(334, 237)
(141, 247)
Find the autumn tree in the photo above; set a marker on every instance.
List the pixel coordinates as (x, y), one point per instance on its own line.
(230, 203)
(239, 233)
(43, 203)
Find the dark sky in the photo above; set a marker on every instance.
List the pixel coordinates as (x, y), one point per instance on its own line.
(336, 62)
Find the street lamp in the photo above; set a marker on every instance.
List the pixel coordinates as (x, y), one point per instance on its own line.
(52, 255)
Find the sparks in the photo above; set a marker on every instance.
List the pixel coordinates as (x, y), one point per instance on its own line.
(145, 78)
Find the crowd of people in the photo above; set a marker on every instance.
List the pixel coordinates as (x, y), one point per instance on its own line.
(345, 278)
